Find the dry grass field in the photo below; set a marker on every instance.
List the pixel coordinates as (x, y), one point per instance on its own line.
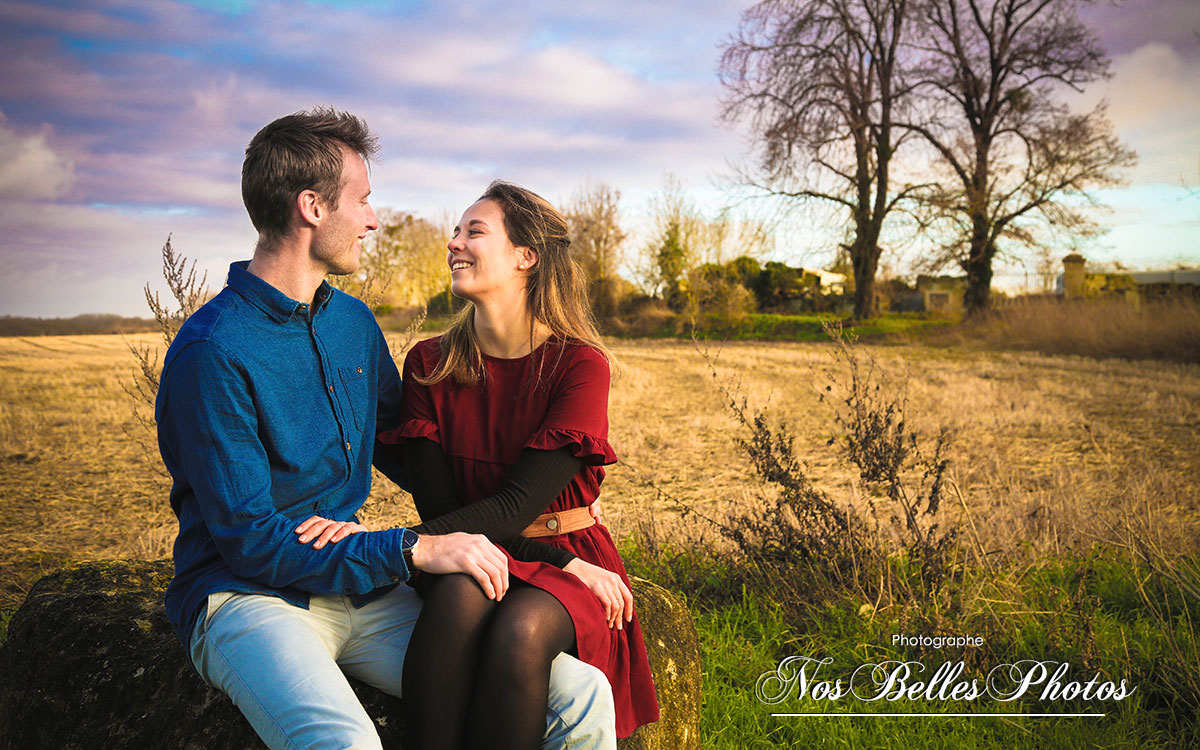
(1046, 449)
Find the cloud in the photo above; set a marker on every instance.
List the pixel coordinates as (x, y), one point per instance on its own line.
(29, 166)
(155, 102)
(1126, 26)
(1154, 105)
(129, 118)
(65, 259)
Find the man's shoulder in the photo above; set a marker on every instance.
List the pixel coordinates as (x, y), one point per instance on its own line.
(208, 325)
(348, 304)
(350, 317)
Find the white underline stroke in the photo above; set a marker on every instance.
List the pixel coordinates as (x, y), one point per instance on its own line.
(1072, 716)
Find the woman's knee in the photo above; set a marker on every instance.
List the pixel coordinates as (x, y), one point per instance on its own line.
(516, 628)
(538, 629)
(457, 589)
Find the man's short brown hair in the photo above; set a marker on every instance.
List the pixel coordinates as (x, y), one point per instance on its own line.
(298, 152)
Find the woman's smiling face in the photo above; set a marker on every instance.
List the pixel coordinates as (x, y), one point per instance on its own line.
(481, 257)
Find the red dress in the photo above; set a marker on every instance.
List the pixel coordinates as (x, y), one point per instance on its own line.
(483, 429)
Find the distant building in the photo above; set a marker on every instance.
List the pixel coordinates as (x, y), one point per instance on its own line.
(1078, 283)
(827, 282)
(942, 294)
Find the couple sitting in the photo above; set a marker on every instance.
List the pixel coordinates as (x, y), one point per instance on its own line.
(276, 398)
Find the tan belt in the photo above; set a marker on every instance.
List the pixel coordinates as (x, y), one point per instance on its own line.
(562, 522)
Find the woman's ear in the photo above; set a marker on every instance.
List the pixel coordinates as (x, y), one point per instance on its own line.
(529, 258)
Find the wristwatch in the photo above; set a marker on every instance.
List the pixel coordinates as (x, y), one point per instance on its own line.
(408, 543)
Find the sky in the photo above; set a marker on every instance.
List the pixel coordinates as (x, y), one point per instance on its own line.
(123, 122)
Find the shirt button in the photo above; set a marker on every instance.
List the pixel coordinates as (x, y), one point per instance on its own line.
(395, 578)
(359, 370)
(347, 446)
(331, 389)
(552, 524)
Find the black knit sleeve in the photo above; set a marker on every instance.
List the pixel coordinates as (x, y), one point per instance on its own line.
(534, 482)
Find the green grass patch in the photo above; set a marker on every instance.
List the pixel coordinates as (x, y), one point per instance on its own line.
(1085, 611)
(772, 327)
(775, 327)
(741, 642)
(749, 327)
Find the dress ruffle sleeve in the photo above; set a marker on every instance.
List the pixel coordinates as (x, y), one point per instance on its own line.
(412, 428)
(590, 449)
(417, 414)
(577, 417)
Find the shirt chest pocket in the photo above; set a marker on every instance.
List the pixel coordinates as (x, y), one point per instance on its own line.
(356, 389)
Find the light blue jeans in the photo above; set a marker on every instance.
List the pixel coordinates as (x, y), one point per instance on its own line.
(285, 668)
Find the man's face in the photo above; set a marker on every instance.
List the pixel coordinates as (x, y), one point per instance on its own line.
(337, 242)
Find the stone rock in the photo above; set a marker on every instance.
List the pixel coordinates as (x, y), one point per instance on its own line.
(91, 662)
(674, 651)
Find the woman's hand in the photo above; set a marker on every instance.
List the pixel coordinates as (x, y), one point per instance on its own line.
(325, 531)
(608, 588)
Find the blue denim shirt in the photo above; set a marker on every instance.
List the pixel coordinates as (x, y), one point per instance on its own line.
(267, 413)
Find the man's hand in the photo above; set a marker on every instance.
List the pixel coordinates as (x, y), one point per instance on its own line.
(608, 587)
(325, 531)
(472, 554)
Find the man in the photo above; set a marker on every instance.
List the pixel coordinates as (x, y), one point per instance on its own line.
(270, 399)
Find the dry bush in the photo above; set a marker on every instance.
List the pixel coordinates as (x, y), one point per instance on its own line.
(1154, 329)
(386, 505)
(801, 545)
(370, 285)
(189, 294)
(1044, 534)
(643, 316)
(888, 455)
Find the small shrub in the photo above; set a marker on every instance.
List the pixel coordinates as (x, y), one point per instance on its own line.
(643, 317)
(890, 460)
(189, 293)
(798, 545)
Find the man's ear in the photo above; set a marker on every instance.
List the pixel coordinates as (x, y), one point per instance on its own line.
(310, 208)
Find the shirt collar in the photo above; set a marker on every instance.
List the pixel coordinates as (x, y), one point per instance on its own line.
(269, 299)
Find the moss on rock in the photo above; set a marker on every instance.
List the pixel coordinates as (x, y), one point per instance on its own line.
(91, 661)
(674, 651)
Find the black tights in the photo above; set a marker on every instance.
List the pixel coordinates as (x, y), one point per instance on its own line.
(477, 672)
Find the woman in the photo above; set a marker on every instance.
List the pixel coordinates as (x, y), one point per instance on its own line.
(507, 411)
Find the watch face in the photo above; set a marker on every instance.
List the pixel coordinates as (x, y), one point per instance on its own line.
(408, 540)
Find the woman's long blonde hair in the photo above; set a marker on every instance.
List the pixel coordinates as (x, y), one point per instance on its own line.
(556, 292)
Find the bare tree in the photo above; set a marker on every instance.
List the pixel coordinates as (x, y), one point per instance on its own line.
(597, 242)
(1019, 162)
(820, 82)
